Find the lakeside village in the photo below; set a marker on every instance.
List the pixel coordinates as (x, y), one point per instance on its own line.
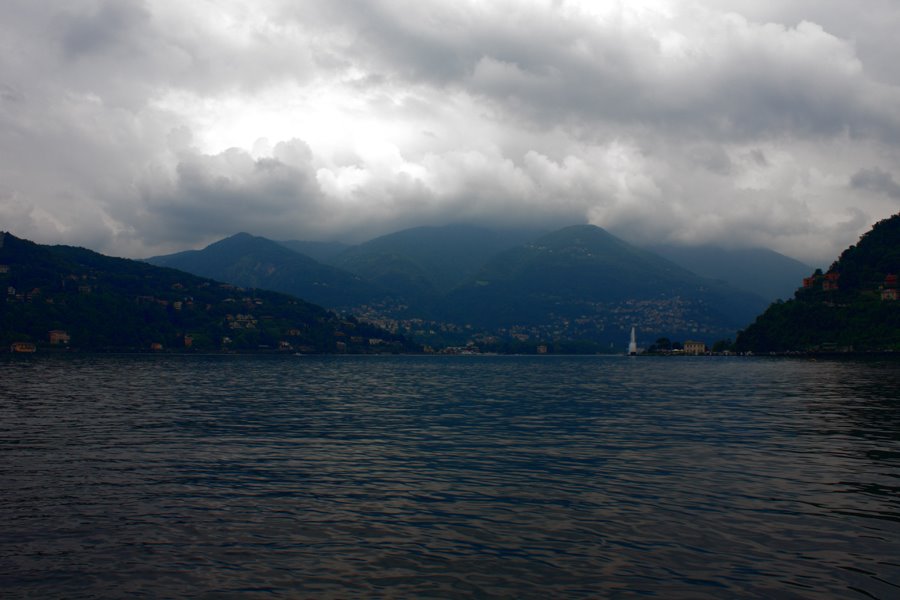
(217, 326)
(529, 339)
(454, 339)
(644, 315)
(60, 339)
(662, 347)
(241, 313)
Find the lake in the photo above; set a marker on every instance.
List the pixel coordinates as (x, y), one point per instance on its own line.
(444, 477)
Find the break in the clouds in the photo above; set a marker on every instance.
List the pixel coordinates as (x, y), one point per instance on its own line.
(136, 127)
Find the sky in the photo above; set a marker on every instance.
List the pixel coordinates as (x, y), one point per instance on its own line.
(150, 126)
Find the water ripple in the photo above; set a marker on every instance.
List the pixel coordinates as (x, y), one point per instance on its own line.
(448, 477)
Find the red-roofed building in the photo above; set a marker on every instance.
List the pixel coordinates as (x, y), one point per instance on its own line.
(58, 336)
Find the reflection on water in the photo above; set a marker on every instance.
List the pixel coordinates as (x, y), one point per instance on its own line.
(449, 477)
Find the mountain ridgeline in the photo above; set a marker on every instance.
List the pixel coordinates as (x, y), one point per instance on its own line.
(504, 290)
(583, 283)
(77, 299)
(852, 307)
(578, 289)
(257, 262)
(758, 270)
(428, 261)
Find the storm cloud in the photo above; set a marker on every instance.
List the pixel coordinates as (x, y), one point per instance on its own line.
(876, 180)
(144, 127)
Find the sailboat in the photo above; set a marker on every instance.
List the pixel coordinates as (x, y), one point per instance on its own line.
(632, 345)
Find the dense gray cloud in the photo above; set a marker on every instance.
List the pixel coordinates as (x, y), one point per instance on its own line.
(148, 126)
(876, 180)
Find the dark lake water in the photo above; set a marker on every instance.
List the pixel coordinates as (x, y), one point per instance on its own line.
(437, 477)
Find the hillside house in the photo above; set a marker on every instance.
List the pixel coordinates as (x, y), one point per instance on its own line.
(241, 321)
(58, 336)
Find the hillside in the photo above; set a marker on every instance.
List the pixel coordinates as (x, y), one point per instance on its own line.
(428, 261)
(584, 283)
(257, 262)
(456, 284)
(851, 307)
(324, 252)
(96, 302)
(760, 271)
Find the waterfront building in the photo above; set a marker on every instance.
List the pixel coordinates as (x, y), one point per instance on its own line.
(694, 348)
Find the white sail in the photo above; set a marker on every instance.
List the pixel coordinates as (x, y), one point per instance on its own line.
(632, 345)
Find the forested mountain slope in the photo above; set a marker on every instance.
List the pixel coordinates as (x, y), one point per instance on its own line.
(851, 307)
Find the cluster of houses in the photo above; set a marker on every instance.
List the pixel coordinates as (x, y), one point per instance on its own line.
(889, 289)
(241, 321)
(830, 282)
(56, 337)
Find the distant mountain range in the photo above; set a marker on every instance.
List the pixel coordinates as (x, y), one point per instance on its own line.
(851, 307)
(67, 297)
(581, 282)
(324, 252)
(428, 261)
(500, 288)
(763, 272)
(257, 262)
(578, 289)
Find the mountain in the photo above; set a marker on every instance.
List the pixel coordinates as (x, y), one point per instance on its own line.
(252, 261)
(455, 284)
(73, 297)
(582, 282)
(851, 307)
(324, 252)
(424, 262)
(764, 272)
